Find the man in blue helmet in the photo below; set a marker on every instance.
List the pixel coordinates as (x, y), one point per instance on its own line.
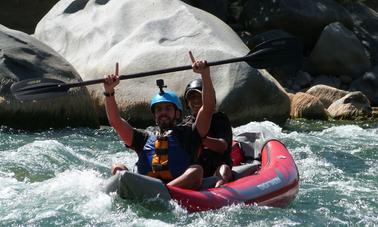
(170, 152)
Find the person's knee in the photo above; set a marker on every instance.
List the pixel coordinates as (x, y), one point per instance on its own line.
(196, 174)
(224, 175)
(227, 172)
(196, 170)
(224, 171)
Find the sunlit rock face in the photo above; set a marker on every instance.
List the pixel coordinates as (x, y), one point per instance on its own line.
(157, 34)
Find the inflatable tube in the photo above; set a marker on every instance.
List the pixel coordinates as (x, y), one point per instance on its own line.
(271, 181)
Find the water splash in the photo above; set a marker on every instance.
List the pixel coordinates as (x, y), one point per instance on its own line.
(55, 178)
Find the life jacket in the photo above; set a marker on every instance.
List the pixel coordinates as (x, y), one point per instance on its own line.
(163, 157)
(159, 165)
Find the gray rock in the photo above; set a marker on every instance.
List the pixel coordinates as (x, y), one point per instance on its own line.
(296, 87)
(303, 78)
(23, 57)
(339, 52)
(248, 97)
(346, 79)
(327, 80)
(302, 18)
(236, 9)
(282, 71)
(156, 34)
(368, 84)
(365, 27)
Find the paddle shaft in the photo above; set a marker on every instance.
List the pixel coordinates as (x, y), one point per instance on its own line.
(268, 54)
(161, 71)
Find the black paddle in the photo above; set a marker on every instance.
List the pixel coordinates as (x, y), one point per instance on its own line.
(268, 54)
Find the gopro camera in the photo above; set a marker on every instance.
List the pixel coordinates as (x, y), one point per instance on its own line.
(160, 84)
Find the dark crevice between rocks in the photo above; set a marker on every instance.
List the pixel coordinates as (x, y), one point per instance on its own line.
(76, 6)
(101, 2)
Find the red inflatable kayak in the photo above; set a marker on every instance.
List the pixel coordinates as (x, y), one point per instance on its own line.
(276, 183)
(272, 180)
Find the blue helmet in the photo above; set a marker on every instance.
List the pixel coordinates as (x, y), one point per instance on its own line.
(166, 96)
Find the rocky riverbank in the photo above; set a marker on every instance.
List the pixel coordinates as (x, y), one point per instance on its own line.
(337, 79)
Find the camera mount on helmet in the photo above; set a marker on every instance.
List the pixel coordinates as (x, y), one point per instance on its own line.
(162, 96)
(160, 84)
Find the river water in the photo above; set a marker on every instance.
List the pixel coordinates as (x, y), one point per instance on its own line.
(55, 178)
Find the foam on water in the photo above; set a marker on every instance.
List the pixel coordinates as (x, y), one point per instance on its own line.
(55, 178)
(8, 188)
(70, 191)
(269, 129)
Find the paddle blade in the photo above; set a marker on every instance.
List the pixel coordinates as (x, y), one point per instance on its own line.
(277, 52)
(37, 89)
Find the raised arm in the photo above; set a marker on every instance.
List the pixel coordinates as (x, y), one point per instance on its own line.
(123, 128)
(203, 118)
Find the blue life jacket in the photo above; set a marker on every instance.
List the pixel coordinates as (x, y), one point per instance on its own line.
(178, 159)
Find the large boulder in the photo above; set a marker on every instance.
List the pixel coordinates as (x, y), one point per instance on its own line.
(365, 27)
(327, 80)
(249, 97)
(354, 105)
(306, 106)
(156, 34)
(348, 56)
(368, 84)
(23, 57)
(326, 94)
(302, 18)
